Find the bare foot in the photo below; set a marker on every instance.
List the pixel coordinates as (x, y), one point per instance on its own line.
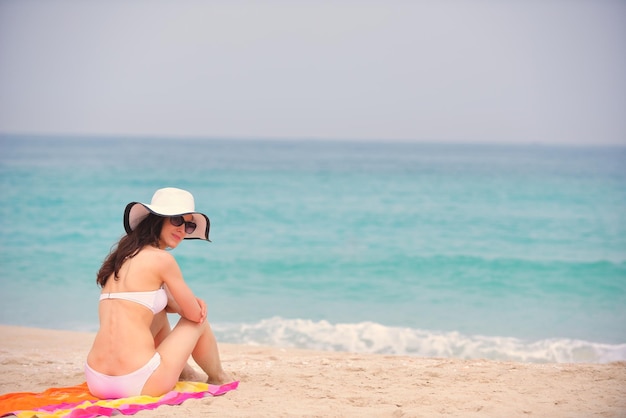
(221, 379)
(189, 374)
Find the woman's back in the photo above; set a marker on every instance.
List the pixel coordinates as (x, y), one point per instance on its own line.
(125, 341)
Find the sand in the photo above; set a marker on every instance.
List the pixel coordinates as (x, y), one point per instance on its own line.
(278, 382)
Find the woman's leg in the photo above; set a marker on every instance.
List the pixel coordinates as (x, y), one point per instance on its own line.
(160, 330)
(207, 355)
(187, 338)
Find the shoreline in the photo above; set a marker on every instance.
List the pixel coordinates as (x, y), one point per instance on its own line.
(294, 382)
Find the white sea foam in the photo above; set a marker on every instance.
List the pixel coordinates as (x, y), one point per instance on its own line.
(369, 337)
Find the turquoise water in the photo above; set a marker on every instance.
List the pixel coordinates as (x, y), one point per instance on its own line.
(470, 251)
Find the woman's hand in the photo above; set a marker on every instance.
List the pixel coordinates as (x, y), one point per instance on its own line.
(203, 310)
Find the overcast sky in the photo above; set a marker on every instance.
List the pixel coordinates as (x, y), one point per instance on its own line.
(463, 71)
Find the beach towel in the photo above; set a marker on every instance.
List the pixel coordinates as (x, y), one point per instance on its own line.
(77, 402)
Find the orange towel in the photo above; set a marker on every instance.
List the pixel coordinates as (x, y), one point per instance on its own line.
(76, 401)
(20, 401)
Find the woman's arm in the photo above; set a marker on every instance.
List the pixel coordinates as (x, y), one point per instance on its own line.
(181, 299)
(172, 305)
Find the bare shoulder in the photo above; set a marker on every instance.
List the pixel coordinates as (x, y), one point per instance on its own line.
(157, 257)
(159, 264)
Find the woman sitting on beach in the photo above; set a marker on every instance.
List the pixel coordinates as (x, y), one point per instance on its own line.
(135, 351)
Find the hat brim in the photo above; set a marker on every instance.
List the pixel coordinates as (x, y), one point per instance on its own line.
(136, 212)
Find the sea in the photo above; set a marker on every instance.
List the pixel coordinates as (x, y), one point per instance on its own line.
(470, 251)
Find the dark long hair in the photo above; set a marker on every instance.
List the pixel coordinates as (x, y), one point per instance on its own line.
(146, 233)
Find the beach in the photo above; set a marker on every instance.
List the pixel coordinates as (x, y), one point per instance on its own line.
(281, 382)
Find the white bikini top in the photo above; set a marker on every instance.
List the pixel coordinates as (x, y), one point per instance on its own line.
(155, 300)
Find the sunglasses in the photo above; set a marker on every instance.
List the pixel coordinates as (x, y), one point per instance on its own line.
(179, 220)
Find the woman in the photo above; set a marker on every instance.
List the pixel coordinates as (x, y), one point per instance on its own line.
(135, 351)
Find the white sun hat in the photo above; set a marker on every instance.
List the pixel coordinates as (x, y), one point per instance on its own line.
(169, 201)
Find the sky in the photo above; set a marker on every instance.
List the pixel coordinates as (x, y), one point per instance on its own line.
(533, 71)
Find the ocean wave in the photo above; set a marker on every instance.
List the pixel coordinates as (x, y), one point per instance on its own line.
(370, 337)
